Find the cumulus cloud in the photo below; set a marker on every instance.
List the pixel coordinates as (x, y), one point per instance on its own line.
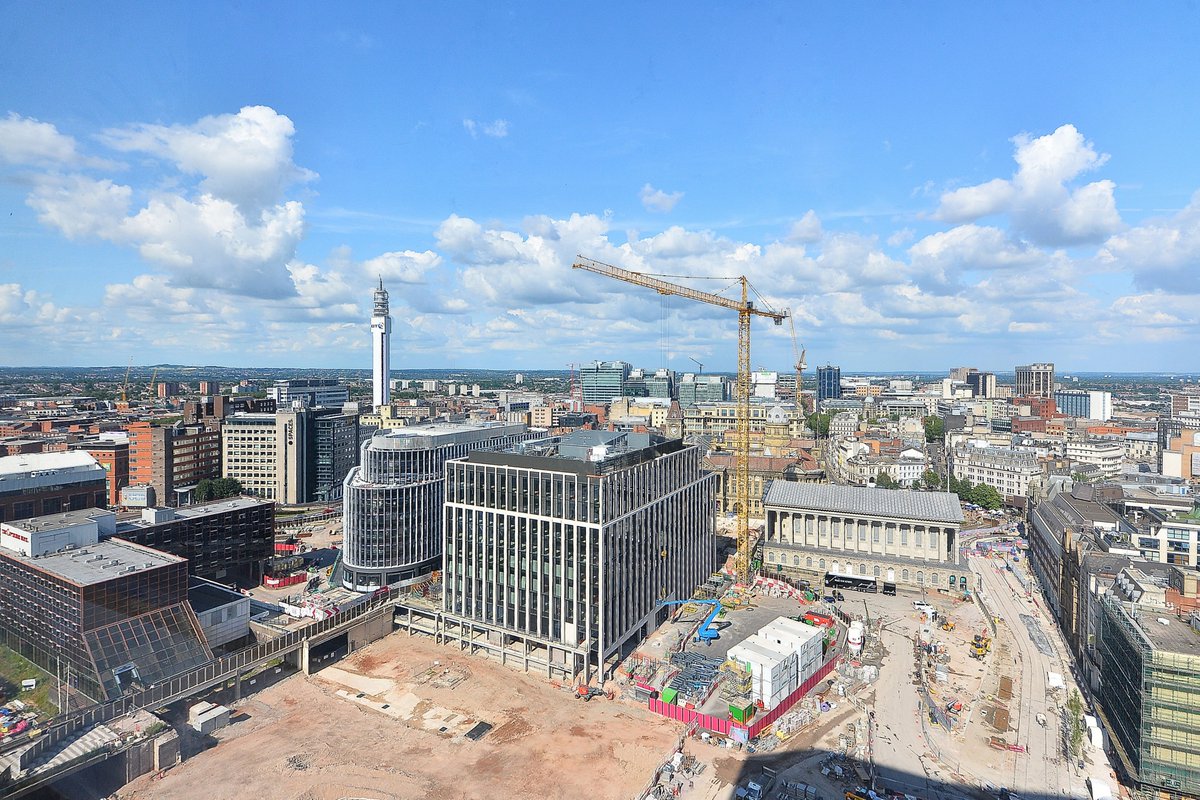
(658, 200)
(1162, 253)
(496, 129)
(244, 157)
(1041, 204)
(807, 228)
(405, 266)
(27, 141)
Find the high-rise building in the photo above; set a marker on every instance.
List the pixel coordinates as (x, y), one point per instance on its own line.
(168, 389)
(960, 373)
(1186, 401)
(568, 545)
(296, 455)
(1149, 690)
(661, 384)
(210, 388)
(829, 383)
(381, 348)
(1084, 404)
(33, 484)
(172, 459)
(310, 391)
(392, 508)
(1034, 380)
(603, 380)
(1173, 433)
(695, 389)
(983, 384)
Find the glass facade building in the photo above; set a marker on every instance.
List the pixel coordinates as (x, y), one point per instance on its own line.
(829, 383)
(603, 380)
(392, 501)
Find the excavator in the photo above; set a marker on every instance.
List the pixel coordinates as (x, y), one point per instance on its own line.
(706, 633)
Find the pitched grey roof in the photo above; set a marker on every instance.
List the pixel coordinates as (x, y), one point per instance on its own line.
(903, 503)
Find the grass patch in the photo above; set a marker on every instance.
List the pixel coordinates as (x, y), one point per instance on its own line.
(15, 668)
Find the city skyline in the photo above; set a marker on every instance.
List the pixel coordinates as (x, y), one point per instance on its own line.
(240, 210)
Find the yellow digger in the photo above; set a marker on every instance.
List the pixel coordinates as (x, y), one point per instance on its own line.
(947, 626)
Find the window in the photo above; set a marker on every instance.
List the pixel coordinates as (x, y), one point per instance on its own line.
(862, 569)
(904, 575)
(821, 564)
(796, 561)
(951, 580)
(807, 562)
(771, 557)
(921, 578)
(878, 571)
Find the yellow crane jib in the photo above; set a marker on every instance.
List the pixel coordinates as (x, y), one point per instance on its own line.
(746, 310)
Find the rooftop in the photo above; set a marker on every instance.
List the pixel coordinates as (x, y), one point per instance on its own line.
(1175, 637)
(70, 461)
(929, 506)
(62, 519)
(219, 506)
(205, 595)
(442, 434)
(97, 563)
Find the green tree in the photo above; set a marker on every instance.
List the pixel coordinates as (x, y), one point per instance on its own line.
(818, 424)
(1075, 709)
(885, 481)
(931, 479)
(204, 491)
(1079, 477)
(935, 429)
(986, 496)
(216, 489)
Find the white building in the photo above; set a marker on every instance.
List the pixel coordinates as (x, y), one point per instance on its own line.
(1107, 455)
(1006, 470)
(381, 347)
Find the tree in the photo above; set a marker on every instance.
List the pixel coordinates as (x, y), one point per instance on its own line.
(931, 479)
(885, 481)
(1079, 477)
(935, 429)
(216, 489)
(1075, 709)
(818, 424)
(986, 496)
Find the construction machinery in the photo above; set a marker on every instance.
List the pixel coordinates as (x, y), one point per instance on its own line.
(125, 385)
(746, 311)
(948, 626)
(698, 364)
(153, 378)
(706, 632)
(799, 353)
(586, 693)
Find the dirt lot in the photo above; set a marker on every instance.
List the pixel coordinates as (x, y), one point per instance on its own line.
(389, 723)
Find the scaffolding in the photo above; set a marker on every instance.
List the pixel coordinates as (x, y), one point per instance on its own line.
(1150, 697)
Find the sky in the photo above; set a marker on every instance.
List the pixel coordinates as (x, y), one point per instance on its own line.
(923, 186)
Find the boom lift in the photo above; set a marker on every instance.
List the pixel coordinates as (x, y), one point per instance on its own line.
(706, 632)
(746, 310)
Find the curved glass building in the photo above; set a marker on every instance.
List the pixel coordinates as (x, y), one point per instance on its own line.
(392, 502)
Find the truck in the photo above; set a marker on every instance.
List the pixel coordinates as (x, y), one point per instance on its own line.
(758, 787)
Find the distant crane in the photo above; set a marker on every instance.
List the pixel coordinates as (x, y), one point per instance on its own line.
(576, 388)
(153, 377)
(800, 353)
(125, 386)
(746, 310)
(701, 366)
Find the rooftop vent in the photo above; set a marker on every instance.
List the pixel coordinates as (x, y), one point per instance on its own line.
(1163, 621)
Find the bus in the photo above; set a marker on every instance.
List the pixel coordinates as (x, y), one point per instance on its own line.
(855, 583)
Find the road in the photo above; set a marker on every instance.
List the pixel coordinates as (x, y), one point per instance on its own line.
(1042, 769)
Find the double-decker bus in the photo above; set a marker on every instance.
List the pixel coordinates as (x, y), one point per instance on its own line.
(856, 583)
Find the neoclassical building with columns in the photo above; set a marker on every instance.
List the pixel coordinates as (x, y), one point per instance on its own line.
(899, 536)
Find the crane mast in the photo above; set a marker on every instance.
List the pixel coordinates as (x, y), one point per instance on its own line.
(746, 311)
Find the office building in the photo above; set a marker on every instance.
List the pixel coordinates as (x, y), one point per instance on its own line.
(829, 383)
(226, 540)
(168, 389)
(1084, 404)
(1034, 380)
(110, 615)
(1109, 456)
(112, 454)
(381, 349)
(603, 380)
(1186, 401)
(1005, 469)
(33, 484)
(895, 535)
(310, 391)
(1149, 695)
(1179, 446)
(960, 374)
(298, 455)
(392, 504)
(567, 546)
(172, 459)
(694, 389)
(661, 384)
(982, 384)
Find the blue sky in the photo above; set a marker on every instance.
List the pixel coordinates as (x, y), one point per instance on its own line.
(925, 186)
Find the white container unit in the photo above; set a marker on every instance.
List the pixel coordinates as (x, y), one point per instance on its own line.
(804, 640)
(772, 672)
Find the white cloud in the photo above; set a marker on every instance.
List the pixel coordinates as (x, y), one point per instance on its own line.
(1161, 254)
(1038, 199)
(80, 206)
(406, 266)
(806, 229)
(244, 157)
(658, 200)
(496, 129)
(28, 141)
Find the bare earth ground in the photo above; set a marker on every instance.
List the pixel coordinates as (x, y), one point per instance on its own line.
(315, 738)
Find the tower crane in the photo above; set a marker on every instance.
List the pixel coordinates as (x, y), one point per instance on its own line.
(800, 353)
(153, 377)
(125, 386)
(701, 366)
(746, 311)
